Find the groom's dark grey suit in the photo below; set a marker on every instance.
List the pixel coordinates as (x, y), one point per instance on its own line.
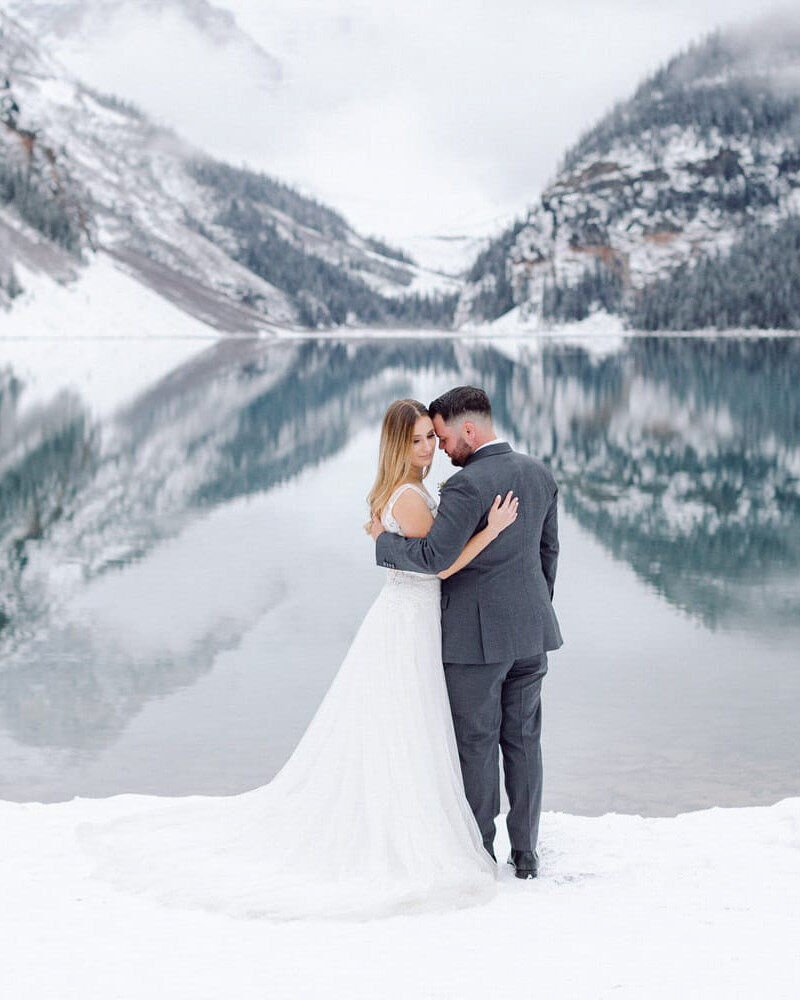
(498, 623)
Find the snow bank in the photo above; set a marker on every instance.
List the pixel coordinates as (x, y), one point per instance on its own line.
(105, 335)
(705, 904)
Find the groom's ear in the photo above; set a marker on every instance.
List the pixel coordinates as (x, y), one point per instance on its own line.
(468, 429)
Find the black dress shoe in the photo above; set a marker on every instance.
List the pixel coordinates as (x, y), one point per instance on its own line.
(526, 863)
(489, 848)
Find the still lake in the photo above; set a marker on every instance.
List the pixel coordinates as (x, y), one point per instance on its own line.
(182, 577)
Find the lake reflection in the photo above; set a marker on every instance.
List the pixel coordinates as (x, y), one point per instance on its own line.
(181, 582)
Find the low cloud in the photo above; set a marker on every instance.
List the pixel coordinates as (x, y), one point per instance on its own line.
(409, 118)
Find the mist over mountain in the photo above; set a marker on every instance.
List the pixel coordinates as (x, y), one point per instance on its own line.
(70, 17)
(82, 174)
(678, 209)
(78, 30)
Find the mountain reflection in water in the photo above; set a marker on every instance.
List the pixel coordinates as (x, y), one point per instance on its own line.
(679, 457)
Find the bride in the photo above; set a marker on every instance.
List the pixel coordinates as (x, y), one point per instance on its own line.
(368, 817)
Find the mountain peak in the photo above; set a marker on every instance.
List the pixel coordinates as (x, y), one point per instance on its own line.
(706, 147)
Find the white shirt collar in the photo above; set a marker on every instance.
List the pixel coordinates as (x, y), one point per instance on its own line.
(495, 441)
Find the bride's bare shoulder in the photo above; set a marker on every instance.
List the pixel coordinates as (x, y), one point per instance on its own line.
(412, 513)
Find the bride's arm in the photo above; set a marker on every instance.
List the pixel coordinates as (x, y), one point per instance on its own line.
(415, 520)
(500, 517)
(413, 516)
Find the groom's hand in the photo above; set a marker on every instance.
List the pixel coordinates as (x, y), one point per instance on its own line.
(377, 528)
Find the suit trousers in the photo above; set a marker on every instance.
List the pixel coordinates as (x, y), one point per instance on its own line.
(498, 705)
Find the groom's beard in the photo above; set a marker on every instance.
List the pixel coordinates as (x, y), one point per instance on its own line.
(460, 454)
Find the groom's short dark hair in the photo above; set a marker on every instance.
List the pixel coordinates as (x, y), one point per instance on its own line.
(456, 402)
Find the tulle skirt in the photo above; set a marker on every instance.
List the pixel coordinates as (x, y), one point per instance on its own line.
(367, 818)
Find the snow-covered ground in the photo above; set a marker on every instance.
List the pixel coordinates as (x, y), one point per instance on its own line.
(598, 326)
(705, 904)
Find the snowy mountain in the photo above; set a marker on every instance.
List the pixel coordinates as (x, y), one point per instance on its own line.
(704, 154)
(83, 174)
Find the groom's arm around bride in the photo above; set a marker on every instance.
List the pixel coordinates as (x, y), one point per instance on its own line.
(500, 605)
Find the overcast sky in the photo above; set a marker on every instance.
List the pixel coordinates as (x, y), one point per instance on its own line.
(414, 116)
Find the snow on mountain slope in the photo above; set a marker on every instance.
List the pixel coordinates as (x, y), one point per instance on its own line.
(705, 148)
(129, 49)
(82, 172)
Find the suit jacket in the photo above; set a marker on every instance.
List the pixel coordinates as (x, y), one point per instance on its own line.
(499, 607)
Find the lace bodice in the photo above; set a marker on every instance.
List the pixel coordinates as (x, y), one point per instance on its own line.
(390, 523)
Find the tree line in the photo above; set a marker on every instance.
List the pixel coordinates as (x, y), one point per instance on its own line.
(755, 284)
(697, 90)
(38, 206)
(324, 293)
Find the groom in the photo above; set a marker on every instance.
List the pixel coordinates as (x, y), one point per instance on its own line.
(497, 615)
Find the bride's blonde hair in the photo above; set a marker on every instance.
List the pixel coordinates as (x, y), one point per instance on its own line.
(394, 455)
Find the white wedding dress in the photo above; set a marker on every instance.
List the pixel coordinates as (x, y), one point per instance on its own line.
(367, 818)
